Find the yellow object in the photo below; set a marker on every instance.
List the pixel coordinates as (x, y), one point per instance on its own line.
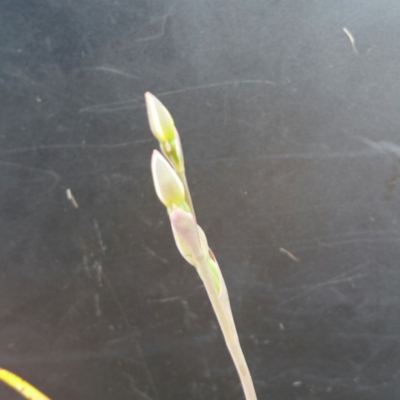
(22, 387)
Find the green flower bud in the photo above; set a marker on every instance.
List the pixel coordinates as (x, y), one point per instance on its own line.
(172, 150)
(160, 120)
(169, 187)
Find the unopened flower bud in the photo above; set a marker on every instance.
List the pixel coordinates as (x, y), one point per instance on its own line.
(184, 248)
(160, 120)
(192, 243)
(169, 187)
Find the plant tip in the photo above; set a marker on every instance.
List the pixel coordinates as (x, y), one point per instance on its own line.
(160, 120)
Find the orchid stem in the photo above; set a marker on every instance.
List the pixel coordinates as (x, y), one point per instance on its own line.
(228, 328)
(182, 177)
(172, 189)
(224, 314)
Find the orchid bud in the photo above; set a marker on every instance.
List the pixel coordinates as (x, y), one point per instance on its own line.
(192, 243)
(184, 248)
(163, 128)
(169, 187)
(185, 226)
(160, 120)
(172, 150)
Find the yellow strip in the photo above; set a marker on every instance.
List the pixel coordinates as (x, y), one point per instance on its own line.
(21, 386)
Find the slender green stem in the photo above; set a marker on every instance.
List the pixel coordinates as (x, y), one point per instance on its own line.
(225, 319)
(182, 177)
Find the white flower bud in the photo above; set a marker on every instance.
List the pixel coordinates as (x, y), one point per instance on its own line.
(169, 187)
(160, 120)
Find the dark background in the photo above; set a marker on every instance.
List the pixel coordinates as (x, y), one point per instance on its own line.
(292, 140)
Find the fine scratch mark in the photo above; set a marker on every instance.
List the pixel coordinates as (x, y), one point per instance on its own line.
(160, 34)
(154, 254)
(346, 238)
(71, 146)
(56, 178)
(113, 106)
(97, 308)
(249, 124)
(71, 198)
(137, 345)
(188, 314)
(325, 155)
(214, 85)
(138, 102)
(111, 71)
(98, 236)
(289, 254)
(352, 41)
(167, 300)
(157, 35)
(209, 377)
(51, 173)
(383, 146)
(98, 268)
(138, 393)
(343, 277)
(193, 292)
(71, 309)
(391, 182)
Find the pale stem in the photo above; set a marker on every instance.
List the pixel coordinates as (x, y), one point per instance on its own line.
(182, 177)
(225, 320)
(228, 329)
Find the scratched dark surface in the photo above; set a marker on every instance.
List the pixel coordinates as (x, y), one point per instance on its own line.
(292, 141)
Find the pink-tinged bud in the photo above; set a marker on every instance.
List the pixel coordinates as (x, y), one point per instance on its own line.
(192, 243)
(184, 225)
(184, 248)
